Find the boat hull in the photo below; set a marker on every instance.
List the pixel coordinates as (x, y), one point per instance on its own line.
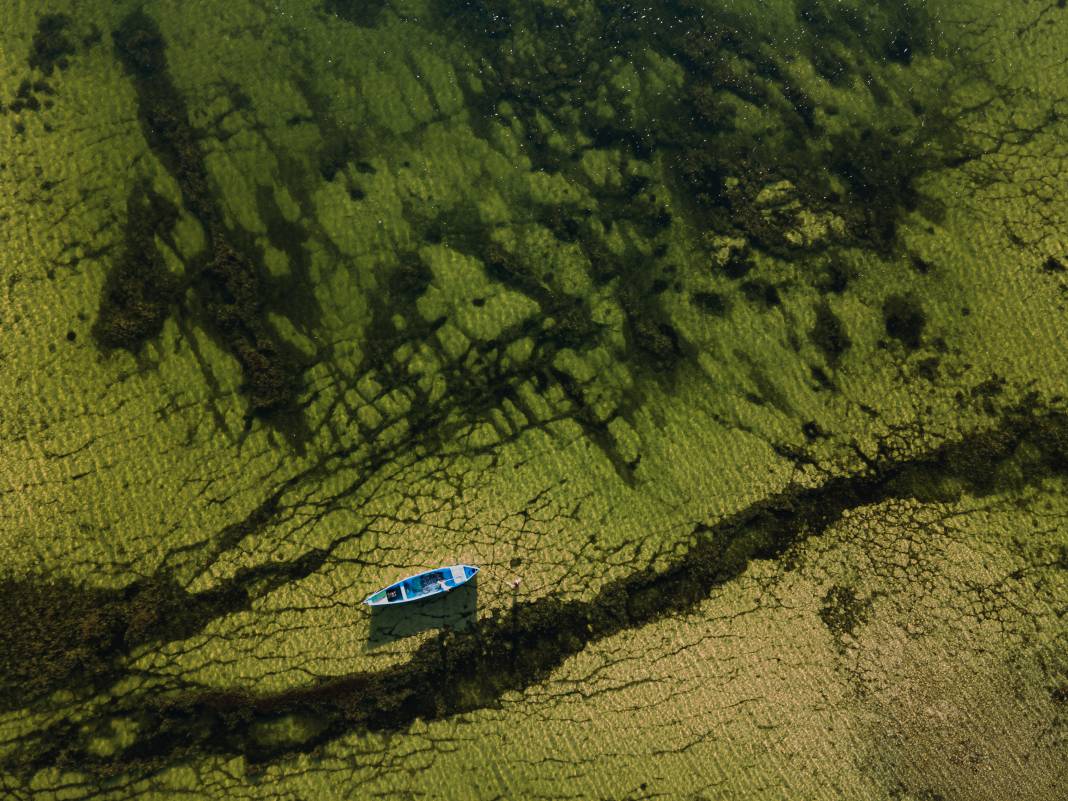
(421, 586)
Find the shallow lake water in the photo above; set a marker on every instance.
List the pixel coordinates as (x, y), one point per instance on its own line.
(725, 338)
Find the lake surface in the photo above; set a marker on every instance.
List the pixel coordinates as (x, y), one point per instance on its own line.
(726, 338)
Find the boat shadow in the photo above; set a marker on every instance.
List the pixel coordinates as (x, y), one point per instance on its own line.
(454, 610)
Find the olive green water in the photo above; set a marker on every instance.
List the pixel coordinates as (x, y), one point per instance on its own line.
(734, 331)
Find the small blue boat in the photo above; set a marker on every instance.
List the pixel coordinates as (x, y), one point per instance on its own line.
(423, 585)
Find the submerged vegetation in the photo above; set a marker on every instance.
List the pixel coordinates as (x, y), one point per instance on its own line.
(656, 311)
(818, 176)
(453, 672)
(225, 279)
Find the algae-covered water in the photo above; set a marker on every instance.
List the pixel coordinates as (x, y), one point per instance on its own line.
(726, 338)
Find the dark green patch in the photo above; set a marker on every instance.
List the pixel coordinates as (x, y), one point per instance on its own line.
(880, 168)
(836, 278)
(833, 65)
(738, 265)
(733, 63)
(842, 611)
(762, 292)
(563, 221)
(402, 286)
(408, 281)
(53, 631)
(51, 45)
(362, 13)
(1053, 265)
(163, 114)
(483, 379)
(828, 334)
(231, 291)
(340, 148)
(229, 286)
(891, 30)
(25, 97)
(650, 337)
(491, 19)
(990, 388)
(710, 303)
(574, 326)
(139, 292)
(927, 369)
(920, 264)
(904, 319)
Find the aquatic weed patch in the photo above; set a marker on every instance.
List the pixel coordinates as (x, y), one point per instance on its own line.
(458, 672)
(227, 279)
(139, 292)
(515, 306)
(854, 149)
(52, 45)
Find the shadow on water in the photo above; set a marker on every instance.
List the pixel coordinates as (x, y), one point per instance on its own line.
(454, 609)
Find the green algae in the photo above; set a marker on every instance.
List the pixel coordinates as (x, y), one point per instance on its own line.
(641, 305)
(140, 290)
(227, 280)
(828, 334)
(51, 45)
(904, 320)
(460, 672)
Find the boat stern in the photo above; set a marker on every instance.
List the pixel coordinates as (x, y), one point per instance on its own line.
(462, 573)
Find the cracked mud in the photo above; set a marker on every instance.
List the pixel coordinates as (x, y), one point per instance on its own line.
(726, 339)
